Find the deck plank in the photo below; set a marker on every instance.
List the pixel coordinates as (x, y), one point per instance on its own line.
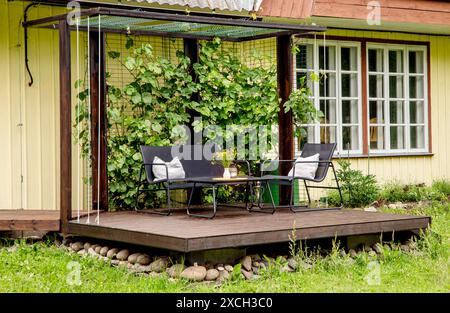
(233, 228)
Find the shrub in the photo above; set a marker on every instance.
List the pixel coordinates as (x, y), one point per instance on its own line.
(441, 186)
(394, 192)
(357, 189)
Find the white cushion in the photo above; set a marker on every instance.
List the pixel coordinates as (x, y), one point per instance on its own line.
(306, 170)
(174, 168)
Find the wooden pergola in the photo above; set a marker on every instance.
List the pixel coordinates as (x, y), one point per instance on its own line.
(236, 29)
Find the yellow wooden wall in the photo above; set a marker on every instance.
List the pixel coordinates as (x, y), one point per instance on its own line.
(33, 148)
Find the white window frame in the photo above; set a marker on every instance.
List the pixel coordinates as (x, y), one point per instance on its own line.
(406, 49)
(316, 92)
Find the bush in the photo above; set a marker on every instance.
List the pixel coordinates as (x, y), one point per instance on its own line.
(441, 186)
(395, 192)
(357, 189)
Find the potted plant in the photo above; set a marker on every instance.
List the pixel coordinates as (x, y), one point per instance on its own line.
(225, 157)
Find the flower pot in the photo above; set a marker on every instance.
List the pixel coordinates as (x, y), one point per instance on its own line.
(226, 173)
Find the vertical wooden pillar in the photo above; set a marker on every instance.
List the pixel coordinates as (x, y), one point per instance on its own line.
(285, 124)
(65, 104)
(98, 120)
(191, 50)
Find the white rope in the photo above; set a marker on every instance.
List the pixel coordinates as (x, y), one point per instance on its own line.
(99, 118)
(89, 115)
(78, 122)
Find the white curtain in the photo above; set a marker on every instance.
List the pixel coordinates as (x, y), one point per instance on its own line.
(231, 5)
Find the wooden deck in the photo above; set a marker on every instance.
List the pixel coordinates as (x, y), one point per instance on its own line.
(233, 228)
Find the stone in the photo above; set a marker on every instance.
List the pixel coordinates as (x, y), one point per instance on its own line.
(154, 275)
(130, 265)
(281, 259)
(57, 242)
(370, 209)
(123, 263)
(404, 248)
(97, 249)
(306, 266)
(67, 242)
(247, 274)
(220, 268)
(159, 265)
(400, 205)
(212, 274)
(175, 270)
(112, 253)
(255, 264)
(104, 250)
(377, 248)
(352, 253)
(132, 258)
(255, 270)
(287, 268)
(367, 248)
(86, 246)
(122, 255)
(256, 257)
(82, 252)
(77, 246)
(138, 268)
(91, 252)
(342, 253)
(223, 276)
(372, 253)
(115, 262)
(292, 263)
(229, 268)
(246, 263)
(143, 259)
(194, 273)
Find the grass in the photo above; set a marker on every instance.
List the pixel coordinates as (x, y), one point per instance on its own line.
(41, 267)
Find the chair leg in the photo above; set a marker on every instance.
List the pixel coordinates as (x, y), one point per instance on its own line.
(260, 208)
(203, 215)
(341, 204)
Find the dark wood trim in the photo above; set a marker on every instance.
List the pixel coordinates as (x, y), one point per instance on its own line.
(191, 50)
(98, 120)
(374, 40)
(430, 137)
(384, 155)
(364, 100)
(285, 123)
(65, 107)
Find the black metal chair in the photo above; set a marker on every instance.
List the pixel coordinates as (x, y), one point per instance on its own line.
(193, 167)
(325, 152)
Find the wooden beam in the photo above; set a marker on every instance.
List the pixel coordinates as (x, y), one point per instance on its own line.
(97, 62)
(191, 50)
(285, 124)
(65, 86)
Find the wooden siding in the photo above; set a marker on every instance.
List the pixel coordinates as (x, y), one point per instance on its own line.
(33, 149)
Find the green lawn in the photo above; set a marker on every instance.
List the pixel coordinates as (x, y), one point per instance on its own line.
(44, 268)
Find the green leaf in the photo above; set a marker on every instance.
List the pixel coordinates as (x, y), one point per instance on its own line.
(113, 54)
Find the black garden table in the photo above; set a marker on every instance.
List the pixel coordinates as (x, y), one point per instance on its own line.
(250, 183)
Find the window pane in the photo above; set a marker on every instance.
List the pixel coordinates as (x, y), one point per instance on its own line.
(327, 58)
(417, 134)
(349, 59)
(350, 140)
(302, 77)
(376, 86)
(304, 58)
(349, 84)
(416, 87)
(396, 112)
(396, 61)
(376, 60)
(328, 107)
(415, 61)
(416, 112)
(349, 111)
(397, 137)
(328, 85)
(377, 138)
(306, 135)
(376, 112)
(395, 86)
(327, 134)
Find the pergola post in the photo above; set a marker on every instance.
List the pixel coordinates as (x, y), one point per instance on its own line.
(190, 47)
(285, 124)
(98, 104)
(65, 125)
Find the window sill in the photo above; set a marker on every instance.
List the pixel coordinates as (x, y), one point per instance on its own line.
(383, 155)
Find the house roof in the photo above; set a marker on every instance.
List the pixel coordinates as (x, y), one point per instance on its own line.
(392, 11)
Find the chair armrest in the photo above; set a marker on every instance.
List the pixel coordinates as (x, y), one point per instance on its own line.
(246, 162)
